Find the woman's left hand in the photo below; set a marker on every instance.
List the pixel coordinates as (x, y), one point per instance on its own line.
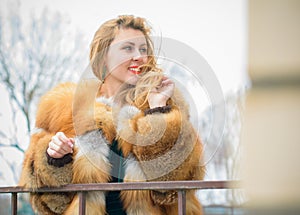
(159, 95)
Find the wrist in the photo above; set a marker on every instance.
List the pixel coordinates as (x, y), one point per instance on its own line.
(59, 162)
(163, 109)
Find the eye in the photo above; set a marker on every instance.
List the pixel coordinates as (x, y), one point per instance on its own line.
(143, 50)
(127, 48)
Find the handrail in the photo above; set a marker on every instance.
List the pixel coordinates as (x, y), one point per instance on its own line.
(180, 186)
(157, 185)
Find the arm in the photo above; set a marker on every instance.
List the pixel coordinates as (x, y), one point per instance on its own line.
(161, 145)
(165, 144)
(37, 172)
(54, 114)
(39, 169)
(160, 137)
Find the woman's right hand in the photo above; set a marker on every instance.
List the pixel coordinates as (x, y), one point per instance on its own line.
(60, 145)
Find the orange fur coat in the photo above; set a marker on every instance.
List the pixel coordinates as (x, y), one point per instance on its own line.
(156, 147)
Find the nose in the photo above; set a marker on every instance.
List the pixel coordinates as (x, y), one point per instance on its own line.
(137, 56)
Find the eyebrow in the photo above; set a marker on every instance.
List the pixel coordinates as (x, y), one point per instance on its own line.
(132, 43)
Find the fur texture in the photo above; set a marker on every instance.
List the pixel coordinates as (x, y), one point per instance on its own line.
(166, 148)
(160, 146)
(54, 114)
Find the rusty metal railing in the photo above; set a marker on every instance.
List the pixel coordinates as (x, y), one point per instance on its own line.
(82, 189)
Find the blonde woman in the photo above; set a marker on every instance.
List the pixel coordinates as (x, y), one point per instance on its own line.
(130, 124)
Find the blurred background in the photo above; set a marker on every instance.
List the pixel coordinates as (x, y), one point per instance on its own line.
(271, 120)
(252, 46)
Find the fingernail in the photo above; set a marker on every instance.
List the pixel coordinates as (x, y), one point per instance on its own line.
(70, 143)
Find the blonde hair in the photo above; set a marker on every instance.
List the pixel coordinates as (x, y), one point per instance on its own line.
(103, 38)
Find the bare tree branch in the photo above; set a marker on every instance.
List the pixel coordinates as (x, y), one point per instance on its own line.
(33, 58)
(16, 146)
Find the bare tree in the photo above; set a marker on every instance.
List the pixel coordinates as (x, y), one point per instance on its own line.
(225, 162)
(36, 52)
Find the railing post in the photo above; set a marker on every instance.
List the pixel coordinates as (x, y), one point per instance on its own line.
(82, 202)
(14, 203)
(181, 202)
(82, 190)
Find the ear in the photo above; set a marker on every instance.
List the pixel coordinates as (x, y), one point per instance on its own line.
(105, 60)
(103, 68)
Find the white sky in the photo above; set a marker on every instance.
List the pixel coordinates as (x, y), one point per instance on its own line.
(217, 29)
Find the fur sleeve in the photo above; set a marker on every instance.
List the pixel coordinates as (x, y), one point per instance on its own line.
(36, 171)
(54, 114)
(166, 144)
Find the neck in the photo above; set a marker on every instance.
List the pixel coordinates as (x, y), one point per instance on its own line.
(109, 88)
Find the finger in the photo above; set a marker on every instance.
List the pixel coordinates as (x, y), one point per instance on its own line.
(54, 154)
(62, 136)
(54, 146)
(153, 90)
(58, 145)
(72, 141)
(167, 82)
(165, 78)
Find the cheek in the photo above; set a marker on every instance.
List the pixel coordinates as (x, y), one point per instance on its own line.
(145, 59)
(116, 59)
(117, 63)
(121, 71)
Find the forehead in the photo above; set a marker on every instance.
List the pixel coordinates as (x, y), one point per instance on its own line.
(129, 35)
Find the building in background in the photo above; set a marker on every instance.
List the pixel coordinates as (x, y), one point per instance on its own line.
(271, 124)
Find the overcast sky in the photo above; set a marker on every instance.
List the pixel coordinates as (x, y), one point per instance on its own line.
(217, 29)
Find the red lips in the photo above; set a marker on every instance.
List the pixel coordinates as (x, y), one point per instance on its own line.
(135, 69)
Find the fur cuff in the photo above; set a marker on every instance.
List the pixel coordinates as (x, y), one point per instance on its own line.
(126, 113)
(59, 162)
(164, 109)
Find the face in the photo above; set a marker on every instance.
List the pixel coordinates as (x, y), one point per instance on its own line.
(126, 53)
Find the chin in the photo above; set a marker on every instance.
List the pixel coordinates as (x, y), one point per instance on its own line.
(132, 80)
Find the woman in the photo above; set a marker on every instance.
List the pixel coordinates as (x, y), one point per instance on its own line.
(129, 125)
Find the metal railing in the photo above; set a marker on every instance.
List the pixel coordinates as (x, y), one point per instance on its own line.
(82, 189)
